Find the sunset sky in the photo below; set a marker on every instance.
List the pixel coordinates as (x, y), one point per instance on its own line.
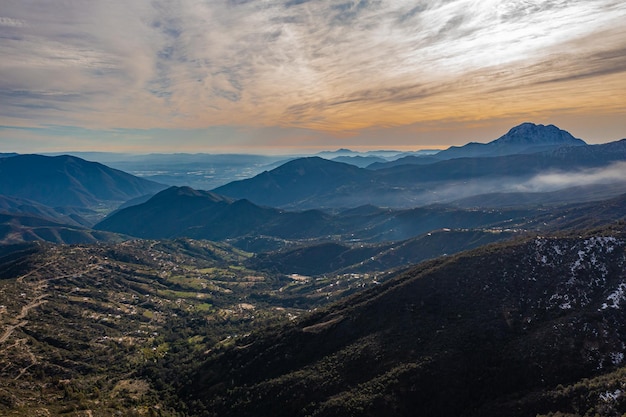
(289, 76)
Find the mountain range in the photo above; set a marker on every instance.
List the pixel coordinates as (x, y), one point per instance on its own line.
(363, 239)
(184, 212)
(480, 283)
(532, 326)
(319, 183)
(77, 193)
(525, 138)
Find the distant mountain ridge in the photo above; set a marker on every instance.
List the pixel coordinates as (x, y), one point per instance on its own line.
(69, 181)
(317, 183)
(524, 138)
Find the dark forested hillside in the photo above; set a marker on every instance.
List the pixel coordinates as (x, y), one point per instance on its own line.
(490, 332)
(184, 212)
(327, 257)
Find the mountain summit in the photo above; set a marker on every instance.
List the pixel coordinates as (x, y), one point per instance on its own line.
(299, 180)
(530, 134)
(522, 139)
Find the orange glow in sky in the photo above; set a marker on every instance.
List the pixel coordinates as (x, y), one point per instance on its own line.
(284, 76)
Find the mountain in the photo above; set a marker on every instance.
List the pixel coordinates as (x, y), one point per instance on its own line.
(69, 181)
(184, 212)
(302, 180)
(513, 329)
(384, 154)
(522, 139)
(317, 183)
(526, 138)
(337, 153)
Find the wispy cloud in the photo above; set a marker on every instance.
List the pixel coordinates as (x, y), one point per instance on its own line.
(323, 65)
(557, 180)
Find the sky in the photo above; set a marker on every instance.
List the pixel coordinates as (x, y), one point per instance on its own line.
(289, 76)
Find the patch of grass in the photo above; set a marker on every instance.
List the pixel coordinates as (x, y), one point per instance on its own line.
(171, 294)
(187, 282)
(203, 308)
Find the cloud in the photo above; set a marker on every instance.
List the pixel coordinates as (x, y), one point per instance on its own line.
(557, 180)
(9, 22)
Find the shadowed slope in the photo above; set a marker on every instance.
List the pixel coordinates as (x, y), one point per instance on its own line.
(462, 336)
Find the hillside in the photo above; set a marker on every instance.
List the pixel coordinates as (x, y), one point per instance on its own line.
(576, 216)
(67, 215)
(491, 332)
(104, 329)
(190, 328)
(16, 228)
(337, 258)
(69, 181)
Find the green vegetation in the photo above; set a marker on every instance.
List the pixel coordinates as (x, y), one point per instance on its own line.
(498, 331)
(191, 328)
(110, 328)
